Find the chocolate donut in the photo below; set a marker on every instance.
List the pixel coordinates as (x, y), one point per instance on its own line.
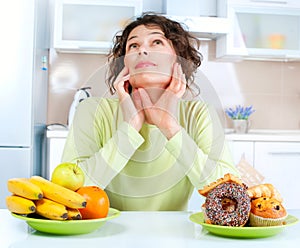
(228, 204)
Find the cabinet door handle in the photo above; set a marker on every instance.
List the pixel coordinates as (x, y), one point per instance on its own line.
(270, 1)
(284, 153)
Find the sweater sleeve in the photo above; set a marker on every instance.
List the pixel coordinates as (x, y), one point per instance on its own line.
(100, 157)
(201, 149)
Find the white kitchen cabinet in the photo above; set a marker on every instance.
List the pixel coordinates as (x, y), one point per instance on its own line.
(279, 162)
(241, 149)
(260, 29)
(195, 202)
(191, 7)
(55, 147)
(88, 26)
(198, 16)
(275, 155)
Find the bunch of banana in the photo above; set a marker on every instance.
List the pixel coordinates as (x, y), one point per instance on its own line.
(20, 205)
(59, 193)
(74, 214)
(23, 187)
(43, 197)
(24, 193)
(51, 210)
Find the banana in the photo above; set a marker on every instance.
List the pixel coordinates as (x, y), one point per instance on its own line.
(51, 210)
(74, 214)
(59, 193)
(20, 205)
(23, 187)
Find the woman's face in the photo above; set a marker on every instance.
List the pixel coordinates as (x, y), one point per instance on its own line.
(149, 57)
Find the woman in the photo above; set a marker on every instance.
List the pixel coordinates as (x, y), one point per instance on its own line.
(149, 148)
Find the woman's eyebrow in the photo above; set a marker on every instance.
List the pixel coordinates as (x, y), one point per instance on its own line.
(152, 33)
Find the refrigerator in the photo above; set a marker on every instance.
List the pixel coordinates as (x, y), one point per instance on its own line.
(24, 50)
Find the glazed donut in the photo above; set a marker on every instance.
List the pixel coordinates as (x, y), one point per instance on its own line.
(228, 204)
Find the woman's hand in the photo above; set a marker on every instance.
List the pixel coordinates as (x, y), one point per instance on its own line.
(164, 113)
(132, 109)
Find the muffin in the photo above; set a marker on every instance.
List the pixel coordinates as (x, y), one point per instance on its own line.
(267, 212)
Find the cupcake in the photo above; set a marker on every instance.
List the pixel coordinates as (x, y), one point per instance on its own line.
(267, 212)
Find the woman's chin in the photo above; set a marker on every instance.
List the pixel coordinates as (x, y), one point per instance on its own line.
(150, 81)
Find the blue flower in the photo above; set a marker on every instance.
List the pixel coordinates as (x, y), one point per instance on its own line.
(240, 113)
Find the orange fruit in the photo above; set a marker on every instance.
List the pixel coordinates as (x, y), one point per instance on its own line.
(97, 202)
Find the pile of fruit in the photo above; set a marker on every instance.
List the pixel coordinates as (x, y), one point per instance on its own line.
(57, 199)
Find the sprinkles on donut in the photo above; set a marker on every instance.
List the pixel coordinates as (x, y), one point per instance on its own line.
(227, 202)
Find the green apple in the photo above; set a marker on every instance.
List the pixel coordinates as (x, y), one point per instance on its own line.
(68, 175)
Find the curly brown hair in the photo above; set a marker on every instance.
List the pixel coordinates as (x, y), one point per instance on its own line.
(185, 45)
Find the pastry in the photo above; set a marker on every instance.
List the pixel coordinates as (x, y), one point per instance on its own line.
(227, 202)
(267, 212)
(227, 178)
(264, 190)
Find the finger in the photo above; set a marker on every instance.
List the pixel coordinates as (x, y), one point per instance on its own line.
(176, 86)
(173, 82)
(120, 81)
(124, 73)
(129, 111)
(136, 97)
(178, 79)
(183, 85)
(180, 86)
(145, 99)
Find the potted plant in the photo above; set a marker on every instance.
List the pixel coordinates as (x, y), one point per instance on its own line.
(239, 116)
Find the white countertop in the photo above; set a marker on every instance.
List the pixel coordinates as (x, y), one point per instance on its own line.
(57, 131)
(252, 135)
(265, 135)
(139, 229)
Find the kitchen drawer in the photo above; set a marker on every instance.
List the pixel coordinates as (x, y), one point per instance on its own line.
(279, 162)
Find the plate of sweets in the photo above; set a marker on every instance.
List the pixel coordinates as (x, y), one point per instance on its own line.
(231, 209)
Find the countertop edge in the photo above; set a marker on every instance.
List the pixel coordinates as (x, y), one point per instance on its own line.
(252, 135)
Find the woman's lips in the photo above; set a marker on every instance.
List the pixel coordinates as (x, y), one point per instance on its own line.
(144, 64)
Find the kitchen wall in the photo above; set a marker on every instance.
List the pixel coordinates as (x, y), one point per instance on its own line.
(273, 88)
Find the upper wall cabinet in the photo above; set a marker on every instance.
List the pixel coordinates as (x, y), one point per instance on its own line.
(204, 27)
(88, 26)
(260, 29)
(198, 16)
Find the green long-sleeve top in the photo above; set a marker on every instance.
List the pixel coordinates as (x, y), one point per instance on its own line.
(144, 170)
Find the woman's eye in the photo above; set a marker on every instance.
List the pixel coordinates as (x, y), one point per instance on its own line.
(133, 45)
(157, 42)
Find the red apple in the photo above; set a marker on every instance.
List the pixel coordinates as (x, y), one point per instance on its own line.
(68, 175)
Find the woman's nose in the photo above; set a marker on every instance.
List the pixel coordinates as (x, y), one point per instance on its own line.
(143, 51)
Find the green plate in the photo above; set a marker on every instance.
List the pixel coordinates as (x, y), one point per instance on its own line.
(68, 227)
(242, 232)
